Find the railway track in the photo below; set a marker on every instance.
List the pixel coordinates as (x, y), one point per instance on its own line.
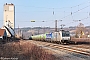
(69, 48)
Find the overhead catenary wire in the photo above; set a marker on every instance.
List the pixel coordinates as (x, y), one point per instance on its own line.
(50, 7)
(54, 7)
(75, 12)
(80, 4)
(78, 21)
(64, 16)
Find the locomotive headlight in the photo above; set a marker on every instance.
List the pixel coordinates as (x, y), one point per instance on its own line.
(68, 38)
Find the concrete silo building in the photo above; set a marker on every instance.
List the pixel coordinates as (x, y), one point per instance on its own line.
(9, 15)
(9, 18)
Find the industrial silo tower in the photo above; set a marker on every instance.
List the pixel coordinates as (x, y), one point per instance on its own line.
(9, 15)
(9, 19)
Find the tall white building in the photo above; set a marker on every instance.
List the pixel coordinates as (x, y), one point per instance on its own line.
(9, 15)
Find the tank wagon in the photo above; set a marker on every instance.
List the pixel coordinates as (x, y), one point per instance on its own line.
(59, 37)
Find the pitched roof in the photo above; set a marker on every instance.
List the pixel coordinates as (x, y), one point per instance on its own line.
(2, 32)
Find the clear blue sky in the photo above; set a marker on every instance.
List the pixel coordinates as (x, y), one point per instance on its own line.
(42, 10)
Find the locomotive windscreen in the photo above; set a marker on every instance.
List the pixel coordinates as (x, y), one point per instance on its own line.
(65, 33)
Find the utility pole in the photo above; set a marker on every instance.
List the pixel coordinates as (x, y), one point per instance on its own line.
(38, 31)
(56, 28)
(44, 30)
(55, 25)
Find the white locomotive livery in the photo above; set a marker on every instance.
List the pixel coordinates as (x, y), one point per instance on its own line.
(59, 37)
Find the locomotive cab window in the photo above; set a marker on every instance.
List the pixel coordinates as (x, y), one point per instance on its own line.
(65, 33)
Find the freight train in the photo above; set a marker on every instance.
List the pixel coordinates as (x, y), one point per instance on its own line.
(60, 37)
